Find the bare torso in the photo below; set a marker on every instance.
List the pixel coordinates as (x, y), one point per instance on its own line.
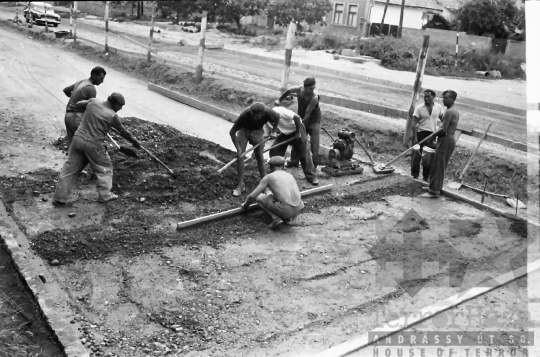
(453, 116)
(284, 187)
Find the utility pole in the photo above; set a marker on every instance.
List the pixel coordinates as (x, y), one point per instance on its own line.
(199, 69)
(46, 23)
(151, 32)
(457, 40)
(107, 4)
(288, 56)
(75, 5)
(401, 18)
(416, 89)
(71, 19)
(367, 19)
(383, 16)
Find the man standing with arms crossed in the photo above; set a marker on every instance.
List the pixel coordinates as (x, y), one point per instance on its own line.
(290, 126)
(249, 128)
(425, 123)
(446, 143)
(81, 90)
(88, 147)
(310, 112)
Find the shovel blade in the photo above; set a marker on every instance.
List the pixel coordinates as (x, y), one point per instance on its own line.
(454, 185)
(380, 169)
(512, 202)
(128, 152)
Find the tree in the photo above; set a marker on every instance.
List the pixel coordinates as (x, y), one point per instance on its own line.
(480, 17)
(310, 11)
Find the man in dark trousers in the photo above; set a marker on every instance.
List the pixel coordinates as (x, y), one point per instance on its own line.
(446, 143)
(88, 147)
(310, 112)
(425, 123)
(249, 128)
(81, 90)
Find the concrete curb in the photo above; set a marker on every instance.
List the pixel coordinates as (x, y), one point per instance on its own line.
(384, 82)
(230, 116)
(52, 300)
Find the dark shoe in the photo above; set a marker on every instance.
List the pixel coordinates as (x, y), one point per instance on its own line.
(425, 179)
(290, 164)
(415, 177)
(314, 182)
(58, 203)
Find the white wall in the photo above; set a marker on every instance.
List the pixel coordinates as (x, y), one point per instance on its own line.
(412, 17)
(450, 16)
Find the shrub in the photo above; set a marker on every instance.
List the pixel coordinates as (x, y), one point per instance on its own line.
(391, 51)
(307, 42)
(277, 32)
(331, 41)
(248, 31)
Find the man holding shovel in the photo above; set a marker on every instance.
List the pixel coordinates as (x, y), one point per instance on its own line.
(249, 128)
(290, 126)
(446, 143)
(425, 123)
(88, 147)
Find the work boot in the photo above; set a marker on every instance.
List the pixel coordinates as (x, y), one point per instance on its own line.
(290, 164)
(58, 203)
(314, 182)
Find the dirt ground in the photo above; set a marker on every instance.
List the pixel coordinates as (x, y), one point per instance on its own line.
(232, 287)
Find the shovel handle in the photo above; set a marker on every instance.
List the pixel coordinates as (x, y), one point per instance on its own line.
(363, 148)
(242, 155)
(406, 151)
(474, 153)
(159, 161)
(113, 141)
(275, 146)
(326, 131)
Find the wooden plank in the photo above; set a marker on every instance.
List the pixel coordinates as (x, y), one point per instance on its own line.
(235, 211)
(393, 327)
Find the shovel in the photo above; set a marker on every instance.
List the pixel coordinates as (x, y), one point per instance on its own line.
(384, 169)
(124, 150)
(273, 147)
(243, 154)
(457, 185)
(511, 201)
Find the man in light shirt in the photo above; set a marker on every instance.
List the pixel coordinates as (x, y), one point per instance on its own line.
(290, 126)
(425, 123)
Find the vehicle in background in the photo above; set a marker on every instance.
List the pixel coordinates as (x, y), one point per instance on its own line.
(36, 12)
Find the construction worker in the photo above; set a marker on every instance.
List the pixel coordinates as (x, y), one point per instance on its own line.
(88, 147)
(284, 203)
(249, 128)
(446, 143)
(425, 119)
(81, 90)
(310, 112)
(290, 126)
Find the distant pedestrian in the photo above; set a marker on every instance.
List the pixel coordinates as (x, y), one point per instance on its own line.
(310, 112)
(88, 147)
(446, 143)
(249, 127)
(81, 90)
(425, 123)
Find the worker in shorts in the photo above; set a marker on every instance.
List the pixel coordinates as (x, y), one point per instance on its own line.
(88, 147)
(249, 128)
(284, 203)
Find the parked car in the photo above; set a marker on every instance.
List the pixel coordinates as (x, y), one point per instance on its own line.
(37, 14)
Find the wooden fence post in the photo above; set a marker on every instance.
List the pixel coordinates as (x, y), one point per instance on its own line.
(199, 69)
(288, 56)
(107, 4)
(75, 6)
(46, 22)
(367, 19)
(149, 56)
(457, 40)
(416, 89)
(401, 19)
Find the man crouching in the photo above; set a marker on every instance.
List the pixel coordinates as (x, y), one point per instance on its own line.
(284, 203)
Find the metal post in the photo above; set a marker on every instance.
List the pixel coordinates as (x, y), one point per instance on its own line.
(416, 89)
(401, 19)
(383, 16)
(288, 56)
(17, 12)
(75, 5)
(149, 56)
(46, 23)
(367, 18)
(199, 69)
(107, 26)
(457, 40)
(71, 19)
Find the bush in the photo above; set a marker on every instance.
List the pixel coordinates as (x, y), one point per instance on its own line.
(392, 52)
(248, 31)
(277, 32)
(330, 41)
(306, 42)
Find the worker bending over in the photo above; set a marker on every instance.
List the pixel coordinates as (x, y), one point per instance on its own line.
(89, 147)
(310, 112)
(446, 143)
(285, 202)
(249, 128)
(290, 126)
(81, 90)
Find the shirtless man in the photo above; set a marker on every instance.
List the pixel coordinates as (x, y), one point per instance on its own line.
(446, 143)
(81, 90)
(285, 202)
(310, 112)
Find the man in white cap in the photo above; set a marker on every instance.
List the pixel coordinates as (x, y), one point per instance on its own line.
(88, 147)
(249, 128)
(284, 203)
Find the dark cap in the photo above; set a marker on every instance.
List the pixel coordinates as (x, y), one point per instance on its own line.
(257, 107)
(117, 98)
(308, 82)
(277, 161)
